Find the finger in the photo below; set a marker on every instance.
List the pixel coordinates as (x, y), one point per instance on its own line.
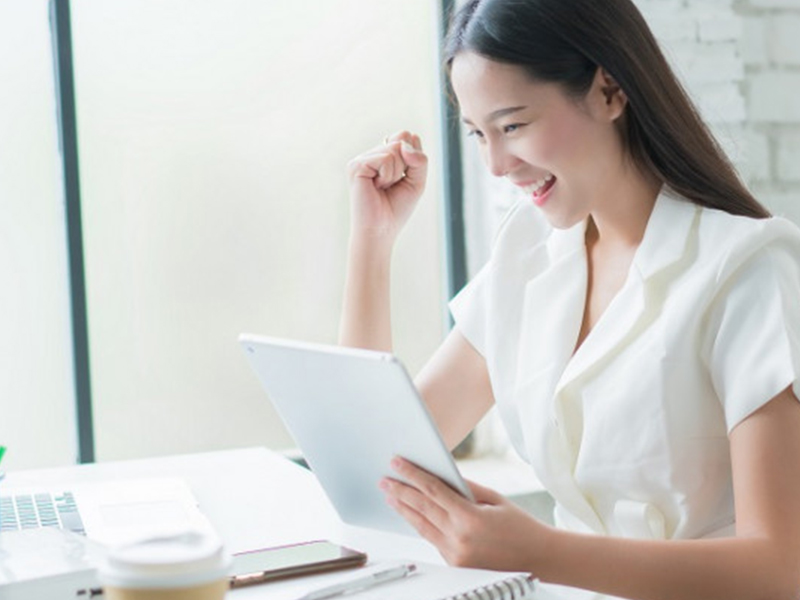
(394, 151)
(384, 168)
(386, 145)
(399, 136)
(411, 164)
(416, 163)
(415, 499)
(418, 521)
(431, 486)
(484, 495)
(392, 170)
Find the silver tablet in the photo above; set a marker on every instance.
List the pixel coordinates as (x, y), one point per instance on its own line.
(350, 411)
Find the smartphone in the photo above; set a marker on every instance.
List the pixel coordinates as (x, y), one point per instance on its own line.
(269, 564)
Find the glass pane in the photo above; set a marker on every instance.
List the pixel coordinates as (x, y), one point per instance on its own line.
(36, 386)
(214, 138)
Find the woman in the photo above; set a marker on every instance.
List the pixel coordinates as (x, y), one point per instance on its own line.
(637, 325)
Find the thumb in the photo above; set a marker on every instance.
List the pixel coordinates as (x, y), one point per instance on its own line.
(415, 160)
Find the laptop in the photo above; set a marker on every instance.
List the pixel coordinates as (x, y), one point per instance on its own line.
(51, 539)
(351, 411)
(110, 512)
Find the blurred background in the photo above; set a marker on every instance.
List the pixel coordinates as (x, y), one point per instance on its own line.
(212, 140)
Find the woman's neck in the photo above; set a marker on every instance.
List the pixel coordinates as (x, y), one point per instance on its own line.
(621, 218)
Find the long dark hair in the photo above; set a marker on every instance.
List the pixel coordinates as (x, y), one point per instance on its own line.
(565, 41)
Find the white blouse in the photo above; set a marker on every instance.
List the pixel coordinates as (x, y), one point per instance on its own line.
(630, 434)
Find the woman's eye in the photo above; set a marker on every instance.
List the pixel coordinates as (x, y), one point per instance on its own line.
(511, 128)
(475, 133)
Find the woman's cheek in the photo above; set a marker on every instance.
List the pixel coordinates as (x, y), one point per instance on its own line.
(557, 141)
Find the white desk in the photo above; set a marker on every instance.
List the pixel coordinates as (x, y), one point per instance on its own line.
(255, 498)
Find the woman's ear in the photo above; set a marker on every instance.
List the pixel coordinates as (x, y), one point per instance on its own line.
(611, 93)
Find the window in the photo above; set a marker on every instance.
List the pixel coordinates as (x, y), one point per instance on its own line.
(213, 139)
(36, 391)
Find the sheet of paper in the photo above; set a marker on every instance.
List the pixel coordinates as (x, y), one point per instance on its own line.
(430, 582)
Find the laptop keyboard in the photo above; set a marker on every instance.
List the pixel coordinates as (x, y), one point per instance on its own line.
(30, 511)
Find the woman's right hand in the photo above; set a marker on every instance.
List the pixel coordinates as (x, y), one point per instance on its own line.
(385, 184)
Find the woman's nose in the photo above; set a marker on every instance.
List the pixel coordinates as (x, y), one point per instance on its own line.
(498, 160)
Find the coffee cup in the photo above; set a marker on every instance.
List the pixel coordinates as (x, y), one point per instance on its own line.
(185, 566)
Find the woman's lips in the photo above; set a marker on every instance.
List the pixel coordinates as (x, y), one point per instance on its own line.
(540, 188)
(540, 195)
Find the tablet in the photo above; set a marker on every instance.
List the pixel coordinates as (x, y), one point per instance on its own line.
(350, 411)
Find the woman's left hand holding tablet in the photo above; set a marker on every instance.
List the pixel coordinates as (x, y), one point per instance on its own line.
(490, 533)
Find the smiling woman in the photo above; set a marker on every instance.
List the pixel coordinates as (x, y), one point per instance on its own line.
(661, 129)
(636, 325)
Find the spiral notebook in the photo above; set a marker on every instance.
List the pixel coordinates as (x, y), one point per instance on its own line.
(429, 582)
(434, 582)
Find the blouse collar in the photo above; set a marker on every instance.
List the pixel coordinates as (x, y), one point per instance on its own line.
(663, 243)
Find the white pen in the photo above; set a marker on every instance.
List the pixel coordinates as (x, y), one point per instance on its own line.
(362, 583)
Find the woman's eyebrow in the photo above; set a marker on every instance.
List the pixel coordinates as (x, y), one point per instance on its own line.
(502, 112)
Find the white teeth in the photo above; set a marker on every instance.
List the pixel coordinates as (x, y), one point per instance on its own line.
(539, 184)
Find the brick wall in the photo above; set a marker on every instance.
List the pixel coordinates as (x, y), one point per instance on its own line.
(740, 61)
(770, 47)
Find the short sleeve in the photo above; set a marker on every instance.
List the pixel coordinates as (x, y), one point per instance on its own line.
(753, 345)
(470, 309)
(483, 307)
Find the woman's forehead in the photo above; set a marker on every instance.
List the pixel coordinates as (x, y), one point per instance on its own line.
(483, 86)
(469, 66)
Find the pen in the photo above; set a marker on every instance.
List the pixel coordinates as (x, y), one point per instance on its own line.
(2, 451)
(362, 583)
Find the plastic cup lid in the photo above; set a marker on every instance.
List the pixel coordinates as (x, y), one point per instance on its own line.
(171, 561)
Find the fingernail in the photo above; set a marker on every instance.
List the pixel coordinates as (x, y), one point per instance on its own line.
(396, 463)
(408, 147)
(384, 485)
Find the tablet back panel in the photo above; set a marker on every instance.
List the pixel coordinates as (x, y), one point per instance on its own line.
(350, 411)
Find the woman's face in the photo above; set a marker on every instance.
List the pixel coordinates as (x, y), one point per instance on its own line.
(564, 153)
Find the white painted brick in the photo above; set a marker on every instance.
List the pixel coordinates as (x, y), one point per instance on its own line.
(789, 156)
(720, 103)
(755, 164)
(729, 138)
(781, 203)
(709, 4)
(783, 40)
(719, 26)
(750, 153)
(708, 63)
(659, 8)
(773, 3)
(700, 7)
(774, 97)
(753, 43)
(651, 5)
(674, 27)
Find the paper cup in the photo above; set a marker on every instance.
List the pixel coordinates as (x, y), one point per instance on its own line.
(188, 566)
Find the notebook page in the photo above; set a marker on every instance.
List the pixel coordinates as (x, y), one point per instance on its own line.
(434, 582)
(429, 582)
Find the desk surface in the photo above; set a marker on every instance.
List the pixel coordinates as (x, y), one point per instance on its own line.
(254, 497)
